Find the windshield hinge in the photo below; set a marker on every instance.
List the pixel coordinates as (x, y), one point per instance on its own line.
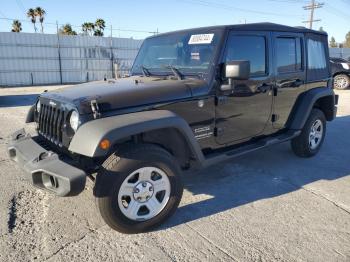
(95, 109)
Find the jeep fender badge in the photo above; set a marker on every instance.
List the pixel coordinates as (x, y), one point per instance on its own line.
(200, 103)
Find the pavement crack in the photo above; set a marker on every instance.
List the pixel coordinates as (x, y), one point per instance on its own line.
(73, 242)
(11, 223)
(327, 199)
(212, 243)
(288, 181)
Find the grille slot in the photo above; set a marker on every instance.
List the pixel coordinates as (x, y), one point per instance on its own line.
(50, 123)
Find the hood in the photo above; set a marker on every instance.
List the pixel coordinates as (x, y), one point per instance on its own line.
(125, 92)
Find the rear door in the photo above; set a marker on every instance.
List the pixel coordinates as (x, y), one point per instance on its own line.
(289, 66)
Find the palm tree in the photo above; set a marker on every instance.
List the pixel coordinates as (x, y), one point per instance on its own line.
(98, 32)
(84, 28)
(88, 28)
(100, 25)
(67, 30)
(16, 26)
(91, 27)
(40, 12)
(32, 15)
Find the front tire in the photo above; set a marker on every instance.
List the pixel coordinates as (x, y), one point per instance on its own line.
(138, 188)
(309, 142)
(341, 82)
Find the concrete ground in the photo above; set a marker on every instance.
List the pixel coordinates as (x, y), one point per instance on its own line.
(266, 206)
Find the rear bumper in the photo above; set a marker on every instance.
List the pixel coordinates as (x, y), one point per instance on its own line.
(43, 168)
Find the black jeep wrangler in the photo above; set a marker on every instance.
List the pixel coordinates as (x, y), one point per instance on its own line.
(193, 98)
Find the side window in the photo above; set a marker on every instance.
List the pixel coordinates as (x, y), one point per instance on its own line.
(288, 54)
(316, 55)
(251, 48)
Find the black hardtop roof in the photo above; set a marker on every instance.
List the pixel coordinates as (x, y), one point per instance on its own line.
(254, 27)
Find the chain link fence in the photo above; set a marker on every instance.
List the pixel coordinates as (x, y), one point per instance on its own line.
(41, 59)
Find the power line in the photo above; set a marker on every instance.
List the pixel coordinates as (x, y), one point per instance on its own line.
(233, 8)
(312, 6)
(290, 1)
(337, 12)
(21, 6)
(2, 14)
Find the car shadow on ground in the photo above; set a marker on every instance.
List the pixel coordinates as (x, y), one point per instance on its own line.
(18, 100)
(264, 174)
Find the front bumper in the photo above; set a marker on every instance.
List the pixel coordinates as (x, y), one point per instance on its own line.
(43, 168)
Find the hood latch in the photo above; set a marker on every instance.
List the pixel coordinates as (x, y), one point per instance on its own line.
(95, 109)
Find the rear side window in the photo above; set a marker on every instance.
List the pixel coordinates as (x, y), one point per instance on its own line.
(316, 54)
(288, 54)
(251, 48)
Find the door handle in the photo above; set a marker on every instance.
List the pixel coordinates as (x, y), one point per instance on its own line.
(290, 83)
(263, 88)
(298, 83)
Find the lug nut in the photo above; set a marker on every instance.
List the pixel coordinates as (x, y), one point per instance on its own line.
(139, 198)
(136, 190)
(144, 184)
(150, 188)
(147, 197)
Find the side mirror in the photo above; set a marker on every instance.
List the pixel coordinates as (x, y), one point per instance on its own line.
(236, 70)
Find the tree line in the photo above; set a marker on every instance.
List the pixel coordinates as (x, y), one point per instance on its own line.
(38, 15)
(333, 43)
(345, 44)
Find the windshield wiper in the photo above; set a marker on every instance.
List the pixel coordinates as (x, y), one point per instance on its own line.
(175, 71)
(145, 71)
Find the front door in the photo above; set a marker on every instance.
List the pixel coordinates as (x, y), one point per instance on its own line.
(245, 111)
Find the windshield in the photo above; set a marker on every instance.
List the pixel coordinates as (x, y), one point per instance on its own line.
(188, 52)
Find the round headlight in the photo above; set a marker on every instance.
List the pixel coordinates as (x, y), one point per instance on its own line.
(74, 120)
(346, 66)
(38, 106)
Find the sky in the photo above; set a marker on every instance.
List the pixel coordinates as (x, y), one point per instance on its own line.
(139, 18)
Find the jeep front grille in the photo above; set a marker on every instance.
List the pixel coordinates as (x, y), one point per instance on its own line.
(50, 123)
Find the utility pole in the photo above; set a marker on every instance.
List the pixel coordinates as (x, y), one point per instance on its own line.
(312, 6)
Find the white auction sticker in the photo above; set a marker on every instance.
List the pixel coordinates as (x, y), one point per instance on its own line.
(201, 39)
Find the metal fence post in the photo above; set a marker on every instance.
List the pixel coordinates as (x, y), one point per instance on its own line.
(112, 55)
(59, 54)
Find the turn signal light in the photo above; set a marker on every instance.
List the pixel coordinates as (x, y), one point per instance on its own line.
(105, 144)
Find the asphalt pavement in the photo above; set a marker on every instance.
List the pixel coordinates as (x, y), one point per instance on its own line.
(265, 206)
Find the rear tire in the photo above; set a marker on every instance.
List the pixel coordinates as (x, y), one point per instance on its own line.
(341, 82)
(309, 142)
(138, 188)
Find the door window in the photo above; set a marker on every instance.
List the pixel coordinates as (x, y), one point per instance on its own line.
(251, 48)
(316, 55)
(288, 54)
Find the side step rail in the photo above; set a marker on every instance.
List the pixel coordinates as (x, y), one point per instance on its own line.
(216, 158)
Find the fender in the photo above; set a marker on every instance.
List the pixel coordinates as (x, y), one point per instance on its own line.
(305, 104)
(88, 137)
(30, 114)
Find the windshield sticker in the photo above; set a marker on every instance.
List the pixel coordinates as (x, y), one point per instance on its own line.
(201, 39)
